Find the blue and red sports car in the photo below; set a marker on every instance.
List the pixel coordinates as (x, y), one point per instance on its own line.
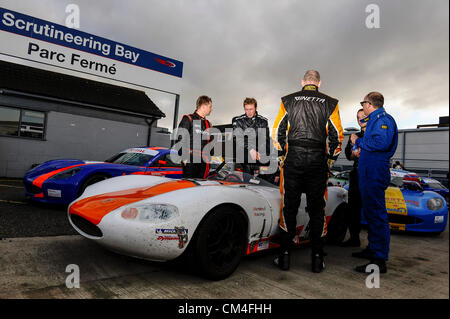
(62, 181)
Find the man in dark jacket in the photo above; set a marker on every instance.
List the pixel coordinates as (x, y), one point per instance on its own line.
(308, 131)
(354, 196)
(196, 129)
(248, 129)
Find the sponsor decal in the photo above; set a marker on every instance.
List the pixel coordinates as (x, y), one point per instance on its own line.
(168, 231)
(182, 236)
(412, 202)
(142, 151)
(180, 232)
(395, 202)
(394, 226)
(263, 245)
(165, 62)
(163, 238)
(384, 127)
(259, 211)
(309, 99)
(54, 193)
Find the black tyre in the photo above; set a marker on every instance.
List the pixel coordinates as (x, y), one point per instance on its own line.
(91, 180)
(337, 226)
(218, 244)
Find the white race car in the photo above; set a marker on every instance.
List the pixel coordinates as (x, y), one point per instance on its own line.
(212, 223)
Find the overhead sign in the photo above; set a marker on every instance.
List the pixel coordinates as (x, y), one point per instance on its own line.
(46, 42)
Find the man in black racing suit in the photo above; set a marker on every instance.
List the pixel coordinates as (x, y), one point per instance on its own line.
(254, 124)
(196, 129)
(353, 216)
(308, 131)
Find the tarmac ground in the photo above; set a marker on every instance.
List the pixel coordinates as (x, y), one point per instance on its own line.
(38, 244)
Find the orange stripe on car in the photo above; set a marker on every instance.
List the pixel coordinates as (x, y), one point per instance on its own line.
(41, 179)
(96, 207)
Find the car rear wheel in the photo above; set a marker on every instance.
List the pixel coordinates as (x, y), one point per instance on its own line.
(337, 226)
(219, 244)
(90, 181)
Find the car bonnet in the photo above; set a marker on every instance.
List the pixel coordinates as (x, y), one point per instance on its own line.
(96, 207)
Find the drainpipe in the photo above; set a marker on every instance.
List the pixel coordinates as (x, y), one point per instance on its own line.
(149, 123)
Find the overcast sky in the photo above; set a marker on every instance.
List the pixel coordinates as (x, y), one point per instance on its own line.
(232, 49)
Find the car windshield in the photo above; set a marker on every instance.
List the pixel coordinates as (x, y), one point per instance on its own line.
(135, 159)
(435, 185)
(241, 177)
(396, 181)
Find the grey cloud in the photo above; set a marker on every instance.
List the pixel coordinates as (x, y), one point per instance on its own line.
(260, 48)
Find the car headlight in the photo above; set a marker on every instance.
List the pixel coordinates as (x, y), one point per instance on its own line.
(153, 213)
(435, 203)
(66, 174)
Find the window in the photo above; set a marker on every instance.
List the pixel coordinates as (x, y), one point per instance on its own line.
(9, 121)
(22, 123)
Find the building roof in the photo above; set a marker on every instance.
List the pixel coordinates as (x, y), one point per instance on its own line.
(44, 83)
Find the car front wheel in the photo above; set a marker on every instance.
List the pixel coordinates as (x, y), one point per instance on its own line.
(219, 243)
(337, 227)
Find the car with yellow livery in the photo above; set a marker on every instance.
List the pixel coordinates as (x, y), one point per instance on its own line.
(412, 208)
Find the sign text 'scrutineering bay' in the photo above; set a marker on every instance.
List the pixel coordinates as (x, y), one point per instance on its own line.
(42, 41)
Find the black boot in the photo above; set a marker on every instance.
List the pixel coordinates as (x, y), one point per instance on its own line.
(378, 262)
(365, 254)
(317, 262)
(282, 261)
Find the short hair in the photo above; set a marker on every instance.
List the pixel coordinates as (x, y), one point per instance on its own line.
(360, 110)
(203, 99)
(250, 100)
(376, 99)
(312, 76)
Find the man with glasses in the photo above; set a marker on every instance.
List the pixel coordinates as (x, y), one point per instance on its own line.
(378, 145)
(353, 217)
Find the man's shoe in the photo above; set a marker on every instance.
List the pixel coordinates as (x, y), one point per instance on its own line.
(365, 254)
(377, 262)
(282, 261)
(352, 242)
(317, 264)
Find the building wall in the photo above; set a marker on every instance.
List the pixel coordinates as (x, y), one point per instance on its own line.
(424, 150)
(87, 137)
(160, 137)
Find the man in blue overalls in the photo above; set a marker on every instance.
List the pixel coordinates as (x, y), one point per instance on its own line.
(377, 147)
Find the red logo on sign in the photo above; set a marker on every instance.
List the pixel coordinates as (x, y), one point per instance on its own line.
(168, 63)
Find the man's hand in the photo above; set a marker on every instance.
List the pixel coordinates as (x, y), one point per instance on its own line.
(353, 138)
(255, 155)
(356, 153)
(330, 163)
